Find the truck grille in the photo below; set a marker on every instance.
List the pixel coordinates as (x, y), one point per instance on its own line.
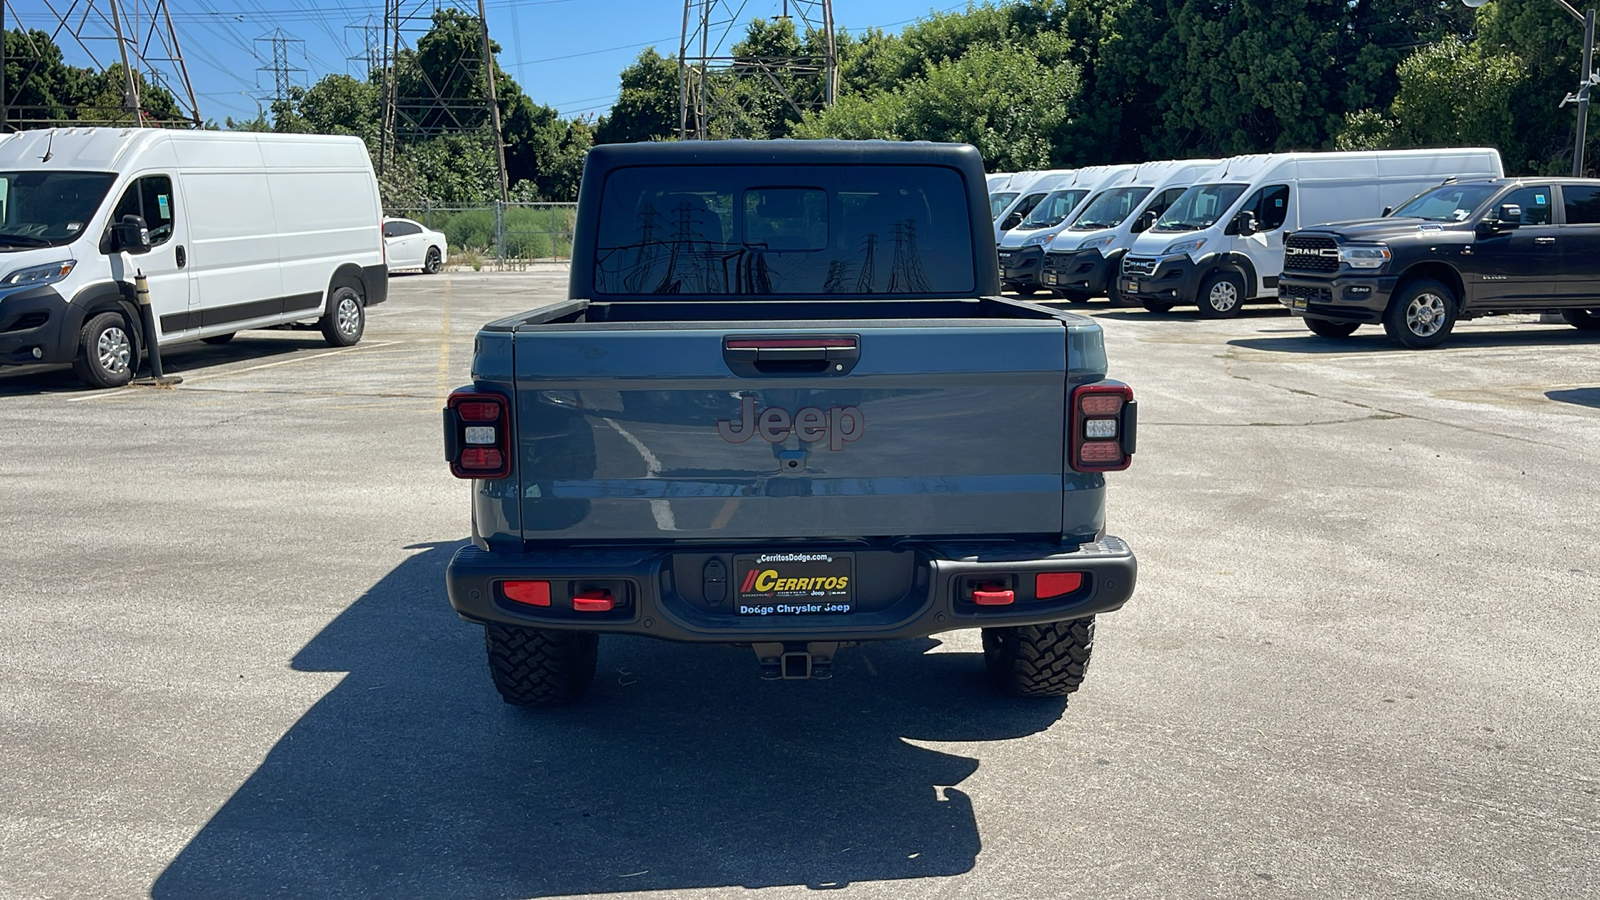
(1139, 266)
(1310, 253)
(1310, 292)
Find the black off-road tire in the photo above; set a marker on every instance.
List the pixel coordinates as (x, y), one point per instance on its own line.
(434, 261)
(1421, 314)
(346, 319)
(1221, 295)
(1329, 329)
(1046, 660)
(534, 667)
(219, 338)
(1582, 319)
(1156, 306)
(108, 351)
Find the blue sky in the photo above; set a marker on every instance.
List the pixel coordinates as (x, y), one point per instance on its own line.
(565, 53)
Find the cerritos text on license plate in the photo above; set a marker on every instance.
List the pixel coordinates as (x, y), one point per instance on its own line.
(794, 584)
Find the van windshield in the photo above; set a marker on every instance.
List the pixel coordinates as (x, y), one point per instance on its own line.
(1053, 209)
(48, 209)
(999, 202)
(1199, 207)
(1109, 209)
(1447, 203)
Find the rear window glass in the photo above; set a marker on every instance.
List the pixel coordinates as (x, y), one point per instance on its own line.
(1583, 204)
(784, 231)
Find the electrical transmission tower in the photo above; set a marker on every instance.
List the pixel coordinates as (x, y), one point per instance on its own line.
(419, 104)
(713, 80)
(137, 34)
(372, 35)
(283, 72)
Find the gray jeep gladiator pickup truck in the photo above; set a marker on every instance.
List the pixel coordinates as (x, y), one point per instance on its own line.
(785, 406)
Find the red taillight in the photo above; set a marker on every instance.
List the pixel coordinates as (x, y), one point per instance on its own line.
(478, 411)
(477, 434)
(531, 593)
(1101, 426)
(593, 601)
(1056, 584)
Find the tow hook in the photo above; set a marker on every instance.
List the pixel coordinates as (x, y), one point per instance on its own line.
(795, 661)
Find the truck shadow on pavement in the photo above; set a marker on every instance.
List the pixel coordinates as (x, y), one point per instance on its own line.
(682, 770)
(185, 359)
(1579, 396)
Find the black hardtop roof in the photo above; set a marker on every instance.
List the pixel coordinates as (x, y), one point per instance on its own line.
(786, 152)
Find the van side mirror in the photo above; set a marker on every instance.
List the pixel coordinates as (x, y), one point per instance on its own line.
(1011, 222)
(1145, 222)
(1387, 210)
(1244, 224)
(130, 235)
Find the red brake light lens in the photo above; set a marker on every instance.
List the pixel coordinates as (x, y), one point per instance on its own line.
(479, 411)
(1100, 404)
(481, 458)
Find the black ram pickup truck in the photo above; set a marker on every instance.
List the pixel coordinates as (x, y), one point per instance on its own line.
(1459, 251)
(784, 406)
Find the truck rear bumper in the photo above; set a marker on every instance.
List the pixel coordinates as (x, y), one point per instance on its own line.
(938, 594)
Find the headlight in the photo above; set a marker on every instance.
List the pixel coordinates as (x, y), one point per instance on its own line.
(1190, 246)
(1364, 256)
(1038, 240)
(39, 274)
(1097, 243)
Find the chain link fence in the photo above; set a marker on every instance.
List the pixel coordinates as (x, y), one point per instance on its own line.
(505, 235)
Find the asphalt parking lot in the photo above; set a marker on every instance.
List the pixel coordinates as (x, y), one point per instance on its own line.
(1363, 659)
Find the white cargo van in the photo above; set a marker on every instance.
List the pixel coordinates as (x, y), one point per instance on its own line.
(1082, 261)
(1022, 248)
(232, 230)
(1031, 188)
(1221, 243)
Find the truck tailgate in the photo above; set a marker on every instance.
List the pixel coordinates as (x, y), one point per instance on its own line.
(717, 431)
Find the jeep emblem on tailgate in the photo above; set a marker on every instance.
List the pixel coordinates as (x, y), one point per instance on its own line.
(840, 425)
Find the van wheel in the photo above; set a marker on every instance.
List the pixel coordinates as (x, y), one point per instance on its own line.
(219, 338)
(434, 262)
(1582, 319)
(346, 318)
(1046, 660)
(106, 352)
(1421, 314)
(1327, 329)
(535, 667)
(1221, 295)
(1156, 306)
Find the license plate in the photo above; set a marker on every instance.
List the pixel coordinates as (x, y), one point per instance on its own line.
(795, 584)
(1131, 287)
(1298, 304)
(1049, 279)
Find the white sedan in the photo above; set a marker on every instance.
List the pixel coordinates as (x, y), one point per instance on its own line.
(411, 246)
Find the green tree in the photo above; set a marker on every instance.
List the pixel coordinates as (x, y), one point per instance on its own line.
(1450, 94)
(647, 106)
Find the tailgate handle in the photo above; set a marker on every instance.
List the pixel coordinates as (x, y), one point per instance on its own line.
(750, 356)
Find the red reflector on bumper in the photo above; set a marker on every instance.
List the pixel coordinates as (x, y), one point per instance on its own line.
(1056, 584)
(994, 598)
(531, 593)
(593, 601)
